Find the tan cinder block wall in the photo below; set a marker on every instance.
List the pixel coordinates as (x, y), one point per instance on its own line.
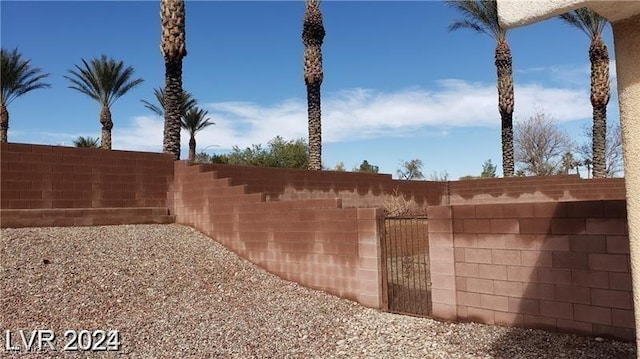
(560, 266)
(44, 177)
(355, 189)
(534, 189)
(281, 218)
(314, 242)
(373, 190)
(442, 263)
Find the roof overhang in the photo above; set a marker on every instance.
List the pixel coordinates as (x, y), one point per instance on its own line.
(514, 13)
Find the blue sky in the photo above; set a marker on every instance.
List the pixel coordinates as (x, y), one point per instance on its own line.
(397, 84)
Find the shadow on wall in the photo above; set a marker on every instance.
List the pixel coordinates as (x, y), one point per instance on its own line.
(532, 189)
(355, 189)
(570, 272)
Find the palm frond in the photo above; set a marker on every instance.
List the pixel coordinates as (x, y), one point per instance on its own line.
(18, 77)
(195, 120)
(480, 16)
(466, 24)
(157, 109)
(103, 79)
(187, 102)
(587, 21)
(86, 142)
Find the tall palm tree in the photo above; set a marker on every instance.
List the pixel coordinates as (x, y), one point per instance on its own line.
(173, 47)
(86, 142)
(16, 79)
(593, 25)
(104, 80)
(194, 121)
(312, 37)
(186, 103)
(482, 16)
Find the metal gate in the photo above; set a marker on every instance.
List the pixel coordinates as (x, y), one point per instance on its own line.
(405, 248)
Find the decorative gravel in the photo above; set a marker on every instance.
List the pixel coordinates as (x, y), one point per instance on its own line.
(172, 292)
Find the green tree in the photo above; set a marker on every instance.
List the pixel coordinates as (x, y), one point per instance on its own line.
(467, 177)
(482, 17)
(194, 121)
(173, 47)
(202, 157)
(104, 80)
(312, 37)
(278, 153)
(568, 163)
(593, 25)
(256, 155)
(220, 159)
(488, 169)
(410, 170)
(17, 78)
(366, 167)
(187, 102)
(288, 154)
(86, 142)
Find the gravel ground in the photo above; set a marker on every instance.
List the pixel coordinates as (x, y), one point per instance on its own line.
(171, 292)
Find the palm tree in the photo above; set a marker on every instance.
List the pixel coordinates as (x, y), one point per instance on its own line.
(172, 14)
(86, 142)
(194, 121)
(104, 80)
(482, 16)
(17, 78)
(312, 37)
(186, 103)
(593, 25)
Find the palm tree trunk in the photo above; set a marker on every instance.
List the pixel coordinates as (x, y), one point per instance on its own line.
(173, 47)
(505, 104)
(315, 126)
(4, 123)
(172, 113)
(192, 148)
(312, 37)
(107, 125)
(599, 56)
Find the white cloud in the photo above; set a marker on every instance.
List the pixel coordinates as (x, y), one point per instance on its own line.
(358, 113)
(144, 133)
(573, 75)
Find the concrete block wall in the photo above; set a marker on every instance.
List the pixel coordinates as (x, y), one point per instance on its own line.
(67, 186)
(377, 190)
(41, 177)
(508, 251)
(314, 242)
(534, 189)
(560, 266)
(355, 189)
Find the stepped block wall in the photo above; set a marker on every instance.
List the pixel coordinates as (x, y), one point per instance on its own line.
(315, 242)
(535, 251)
(380, 190)
(355, 189)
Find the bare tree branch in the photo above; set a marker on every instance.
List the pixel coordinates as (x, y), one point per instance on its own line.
(613, 149)
(540, 145)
